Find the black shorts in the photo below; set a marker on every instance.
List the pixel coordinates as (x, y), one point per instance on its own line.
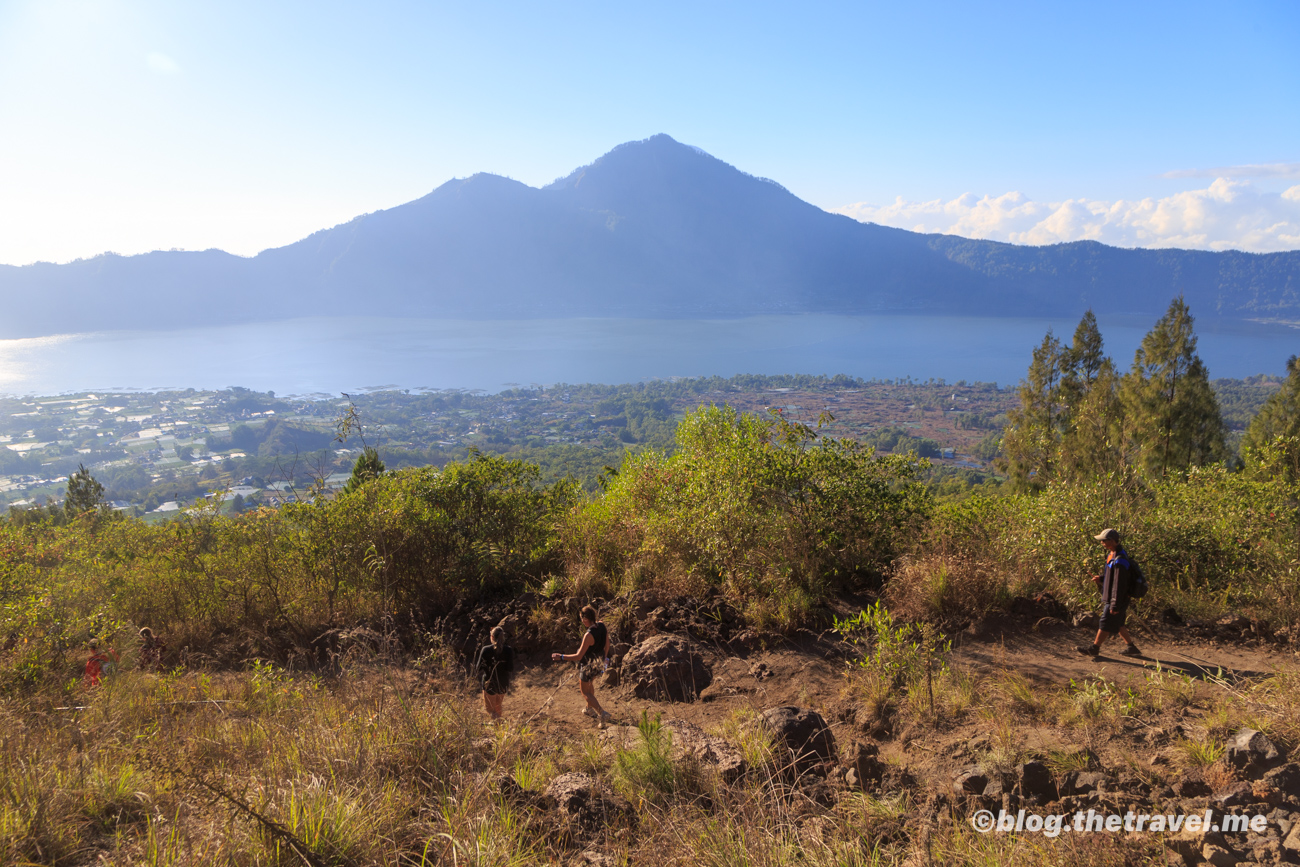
(496, 688)
(590, 670)
(1112, 623)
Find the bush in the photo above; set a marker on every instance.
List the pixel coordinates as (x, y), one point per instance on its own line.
(267, 583)
(429, 537)
(764, 509)
(1208, 540)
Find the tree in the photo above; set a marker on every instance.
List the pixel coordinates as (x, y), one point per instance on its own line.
(84, 493)
(367, 467)
(1090, 445)
(1171, 414)
(1278, 424)
(1083, 363)
(1032, 435)
(1091, 412)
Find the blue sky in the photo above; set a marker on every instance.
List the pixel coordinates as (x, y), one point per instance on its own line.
(145, 125)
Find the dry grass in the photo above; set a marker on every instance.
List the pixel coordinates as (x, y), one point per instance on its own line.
(943, 587)
(253, 768)
(390, 764)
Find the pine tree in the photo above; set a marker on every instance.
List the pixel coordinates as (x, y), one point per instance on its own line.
(1276, 428)
(1083, 362)
(1171, 415)
(367, 467)
(84, 493)
(1032, 436)
(1091, 412)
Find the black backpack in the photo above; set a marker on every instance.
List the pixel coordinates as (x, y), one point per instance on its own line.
(1137, 585)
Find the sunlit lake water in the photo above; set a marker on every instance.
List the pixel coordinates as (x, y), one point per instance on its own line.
(336, 354)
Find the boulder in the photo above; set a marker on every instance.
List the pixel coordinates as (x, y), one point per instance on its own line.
(1292, 841)
(803, 733)
(585, 806)
(1281, 819)
(666, 668)
(693, 741)
(1236, 795)
(1252, 751)
(1285, 779)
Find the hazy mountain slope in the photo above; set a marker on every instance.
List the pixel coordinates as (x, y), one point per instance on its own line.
(651, 229)
(1085, 273)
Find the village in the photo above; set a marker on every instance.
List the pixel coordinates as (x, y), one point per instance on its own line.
(156, 453)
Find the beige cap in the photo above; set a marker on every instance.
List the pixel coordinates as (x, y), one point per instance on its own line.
(1107, 535)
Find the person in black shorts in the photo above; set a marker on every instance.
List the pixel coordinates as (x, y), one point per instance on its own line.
(592, 657)
(1115, 581)
(495, 664)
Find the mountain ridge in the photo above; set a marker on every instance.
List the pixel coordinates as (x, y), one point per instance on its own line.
(651, 229)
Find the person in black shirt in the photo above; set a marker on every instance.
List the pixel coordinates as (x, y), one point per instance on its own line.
(1116, 582)
(495, 664)
(592, 657)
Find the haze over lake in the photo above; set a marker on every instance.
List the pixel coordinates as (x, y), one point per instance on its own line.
(335, 354)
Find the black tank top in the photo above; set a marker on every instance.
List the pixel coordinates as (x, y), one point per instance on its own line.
(599, 635)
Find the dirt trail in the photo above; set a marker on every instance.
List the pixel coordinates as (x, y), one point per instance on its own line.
(1048, 656)
(810, 674)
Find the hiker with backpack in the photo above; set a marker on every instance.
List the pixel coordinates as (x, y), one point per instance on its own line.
(1121, 581)
(592, 657)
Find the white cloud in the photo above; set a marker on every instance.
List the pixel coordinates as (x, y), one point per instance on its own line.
(159, 62)
(1227, 215)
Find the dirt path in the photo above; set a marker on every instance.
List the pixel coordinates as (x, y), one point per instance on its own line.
(1048, 656)
(811, 674)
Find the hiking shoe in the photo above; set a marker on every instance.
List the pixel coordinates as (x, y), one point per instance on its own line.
(1088, 649)
(1132, 650)
(586, 711)
(606, 716)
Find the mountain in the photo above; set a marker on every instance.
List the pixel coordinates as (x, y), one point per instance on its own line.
(653, 228)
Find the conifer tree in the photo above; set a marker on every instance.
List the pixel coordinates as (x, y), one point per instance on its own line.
(1171, 415)
(1083, 363)
(367, 467)
(1091, 412)
(1277, 425)
(1032, 435)
(84, 493)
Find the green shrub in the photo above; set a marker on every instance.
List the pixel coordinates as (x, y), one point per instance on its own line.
(264, 582)
(1208, 540)
(765, 509)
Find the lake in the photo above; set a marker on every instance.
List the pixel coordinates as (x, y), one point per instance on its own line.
(328, 355)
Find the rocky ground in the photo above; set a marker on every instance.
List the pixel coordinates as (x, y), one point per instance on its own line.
(695, 665)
